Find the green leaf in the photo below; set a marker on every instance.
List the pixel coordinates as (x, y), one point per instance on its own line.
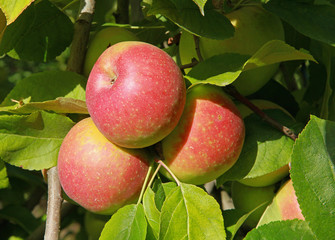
(40, 33)
(234, 219)
(327, 57)
(314, 21)
(151, 211)
(162, 190)
(265, 149)
(127, 223)
(288, 230)
(224, 69)
(201, 5)
(313, 175)
(4, 182)
(21, 216)
(32, 141)
(59, 105)
(190, 213)
(186, 15)
(45, 86)
(12, 9)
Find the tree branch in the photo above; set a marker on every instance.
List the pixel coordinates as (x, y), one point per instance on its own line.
(122, 12)
(54, 205)
(197, 47)
(231, 90)
(75, 64)
(80, 37)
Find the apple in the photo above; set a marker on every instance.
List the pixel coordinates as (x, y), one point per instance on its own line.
(284, 206)
(280, 173)
(254, 26)
(135, 94)
(248, 198)
(102, 40)
(208, 138)
(97, 174)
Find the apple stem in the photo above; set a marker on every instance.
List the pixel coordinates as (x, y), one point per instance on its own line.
(145, 184)
(154, 175)
(160, 162)
(231, 90)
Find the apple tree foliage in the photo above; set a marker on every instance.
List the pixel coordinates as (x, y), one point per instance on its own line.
(41, 100)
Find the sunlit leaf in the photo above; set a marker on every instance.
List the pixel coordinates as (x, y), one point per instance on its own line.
(313, 175)
(32, 141)
(190, 213)
(127, 223)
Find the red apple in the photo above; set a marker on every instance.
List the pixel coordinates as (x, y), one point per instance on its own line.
(254, 26)
(208, 139)
(284, 206)
(97, 174)
(103, 39)
(135, 94)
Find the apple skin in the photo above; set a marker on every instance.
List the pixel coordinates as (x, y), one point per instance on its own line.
(97, 174)
(135, 94)
(208, 138)
(103, 39)
(248, 198)
(284, 206)
(280, 173)
(254, 26)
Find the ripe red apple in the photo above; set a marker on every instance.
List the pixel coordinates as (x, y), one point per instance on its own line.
(97, 174)
(103, 39)
(248, 198)
(135, 94)
(278, 174)
(254, 26)
(208, 138)
(284, 206)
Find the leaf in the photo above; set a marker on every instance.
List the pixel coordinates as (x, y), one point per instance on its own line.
(201, 5)
(127, 223)
(190, 213)
(48, 85)
(313, 175)
(3, 23)
(162, 190)
(40, 33)
(12, 9)
(327, 57)
(186, 15)
(21, 216)
(289, 230)
(4, 182)
(32, 141)
(234, 219)
(314, 21)
(151, 211)
(224, 69)
(265, 149)
(59, 105)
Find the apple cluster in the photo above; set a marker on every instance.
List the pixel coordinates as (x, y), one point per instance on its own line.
(136, 98)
